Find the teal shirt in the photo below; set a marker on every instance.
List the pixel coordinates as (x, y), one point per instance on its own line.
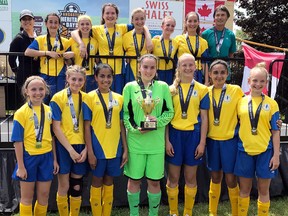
(152, 142)
(228, 45)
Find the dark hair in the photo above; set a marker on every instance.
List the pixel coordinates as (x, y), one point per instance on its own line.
(103, 66)
(109, 5)
(219, 61)
(48, 33)
(186, 18)
(222, 8)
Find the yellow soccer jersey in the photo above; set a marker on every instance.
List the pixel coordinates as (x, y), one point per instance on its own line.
(269, 114)
(157, 51)
(228, 116)
(129, 48)
(61, 112)
(199, 100)
(100, 35)
(24, 131)
(183, 47)
(106, 141)
(49, 67)
(93, 51)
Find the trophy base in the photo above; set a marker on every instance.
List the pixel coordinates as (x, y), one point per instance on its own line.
(148, 125)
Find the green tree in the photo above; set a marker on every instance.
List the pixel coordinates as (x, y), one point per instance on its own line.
(264, 21)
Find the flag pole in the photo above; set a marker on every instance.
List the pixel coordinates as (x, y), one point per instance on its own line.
(262, 45)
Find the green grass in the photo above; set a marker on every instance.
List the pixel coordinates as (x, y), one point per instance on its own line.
(277, 208)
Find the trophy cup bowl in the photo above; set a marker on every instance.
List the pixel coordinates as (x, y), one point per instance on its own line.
(148, 105)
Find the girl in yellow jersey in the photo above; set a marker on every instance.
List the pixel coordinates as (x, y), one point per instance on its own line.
(91, 44)
(191, 42)
(222, 138)
(32, 139)
(259, 145)
(165, 46)
(52, 50)
(70, 145)
(186, 134)
(105, 138)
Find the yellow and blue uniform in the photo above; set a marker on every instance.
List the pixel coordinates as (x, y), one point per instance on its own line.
(52, 70)
(90, 80)
(184, 134)
(61, 112)
(129, 48)
(106, 142)
(255, 151)
(202, 52)
(24, 131)
(116, 63)
(165, 70)
(222, 140)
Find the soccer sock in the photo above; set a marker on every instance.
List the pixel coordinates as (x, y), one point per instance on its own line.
(75, 204)
(233, 196)
(95, 200)
(25, 210)
(154, 203)
(133, 200)
(214, 195)
(190, 194)
(263, 208)
(107, 200)
(243, 205)
(40, 210)
(173, 200)
(62, 204)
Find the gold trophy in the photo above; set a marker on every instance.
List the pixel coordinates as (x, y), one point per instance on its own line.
(147, 105)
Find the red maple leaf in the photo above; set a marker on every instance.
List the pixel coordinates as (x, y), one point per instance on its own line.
(202, 29)
(204, 11)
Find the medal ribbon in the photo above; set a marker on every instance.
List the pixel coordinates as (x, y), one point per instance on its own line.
(138, 52)
(38, 128)
(85, 61)
(107, 112)
(254, 120)
(220, 42)
(217, 109)
(190, 46)
(167, 57)
(111, 43)
(75, 118)
(184, 105)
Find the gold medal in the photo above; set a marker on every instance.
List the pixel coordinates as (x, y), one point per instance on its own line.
(254, 131)
(38, 145)
(184, 115)
(216, 122)
(108, 125)
(76, 129)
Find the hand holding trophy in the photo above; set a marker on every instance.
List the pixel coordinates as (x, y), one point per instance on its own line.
(147, 105)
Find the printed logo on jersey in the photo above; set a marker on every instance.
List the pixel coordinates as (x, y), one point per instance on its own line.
(49, 116)
(266, 107)
(227, 98)
(195, 93)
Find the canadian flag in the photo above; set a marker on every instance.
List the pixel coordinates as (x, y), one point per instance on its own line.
(205, 9)
(253, 57)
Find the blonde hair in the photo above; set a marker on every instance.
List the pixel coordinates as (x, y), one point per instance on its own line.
(75, 69)
(28, 81)
(261, 66)
(83, 17)
(166, 18)
(174, 87)
(137, 10)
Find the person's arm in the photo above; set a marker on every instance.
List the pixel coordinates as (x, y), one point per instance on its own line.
(14, 47)
(275, 160)
(21, 171)
(206, 77)
(88, 141)
(76, 37)
(64, 141)
(124, 144)
(40, 53)
(149, 44)
(55, 162)
(204, 129)
(168, 145)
